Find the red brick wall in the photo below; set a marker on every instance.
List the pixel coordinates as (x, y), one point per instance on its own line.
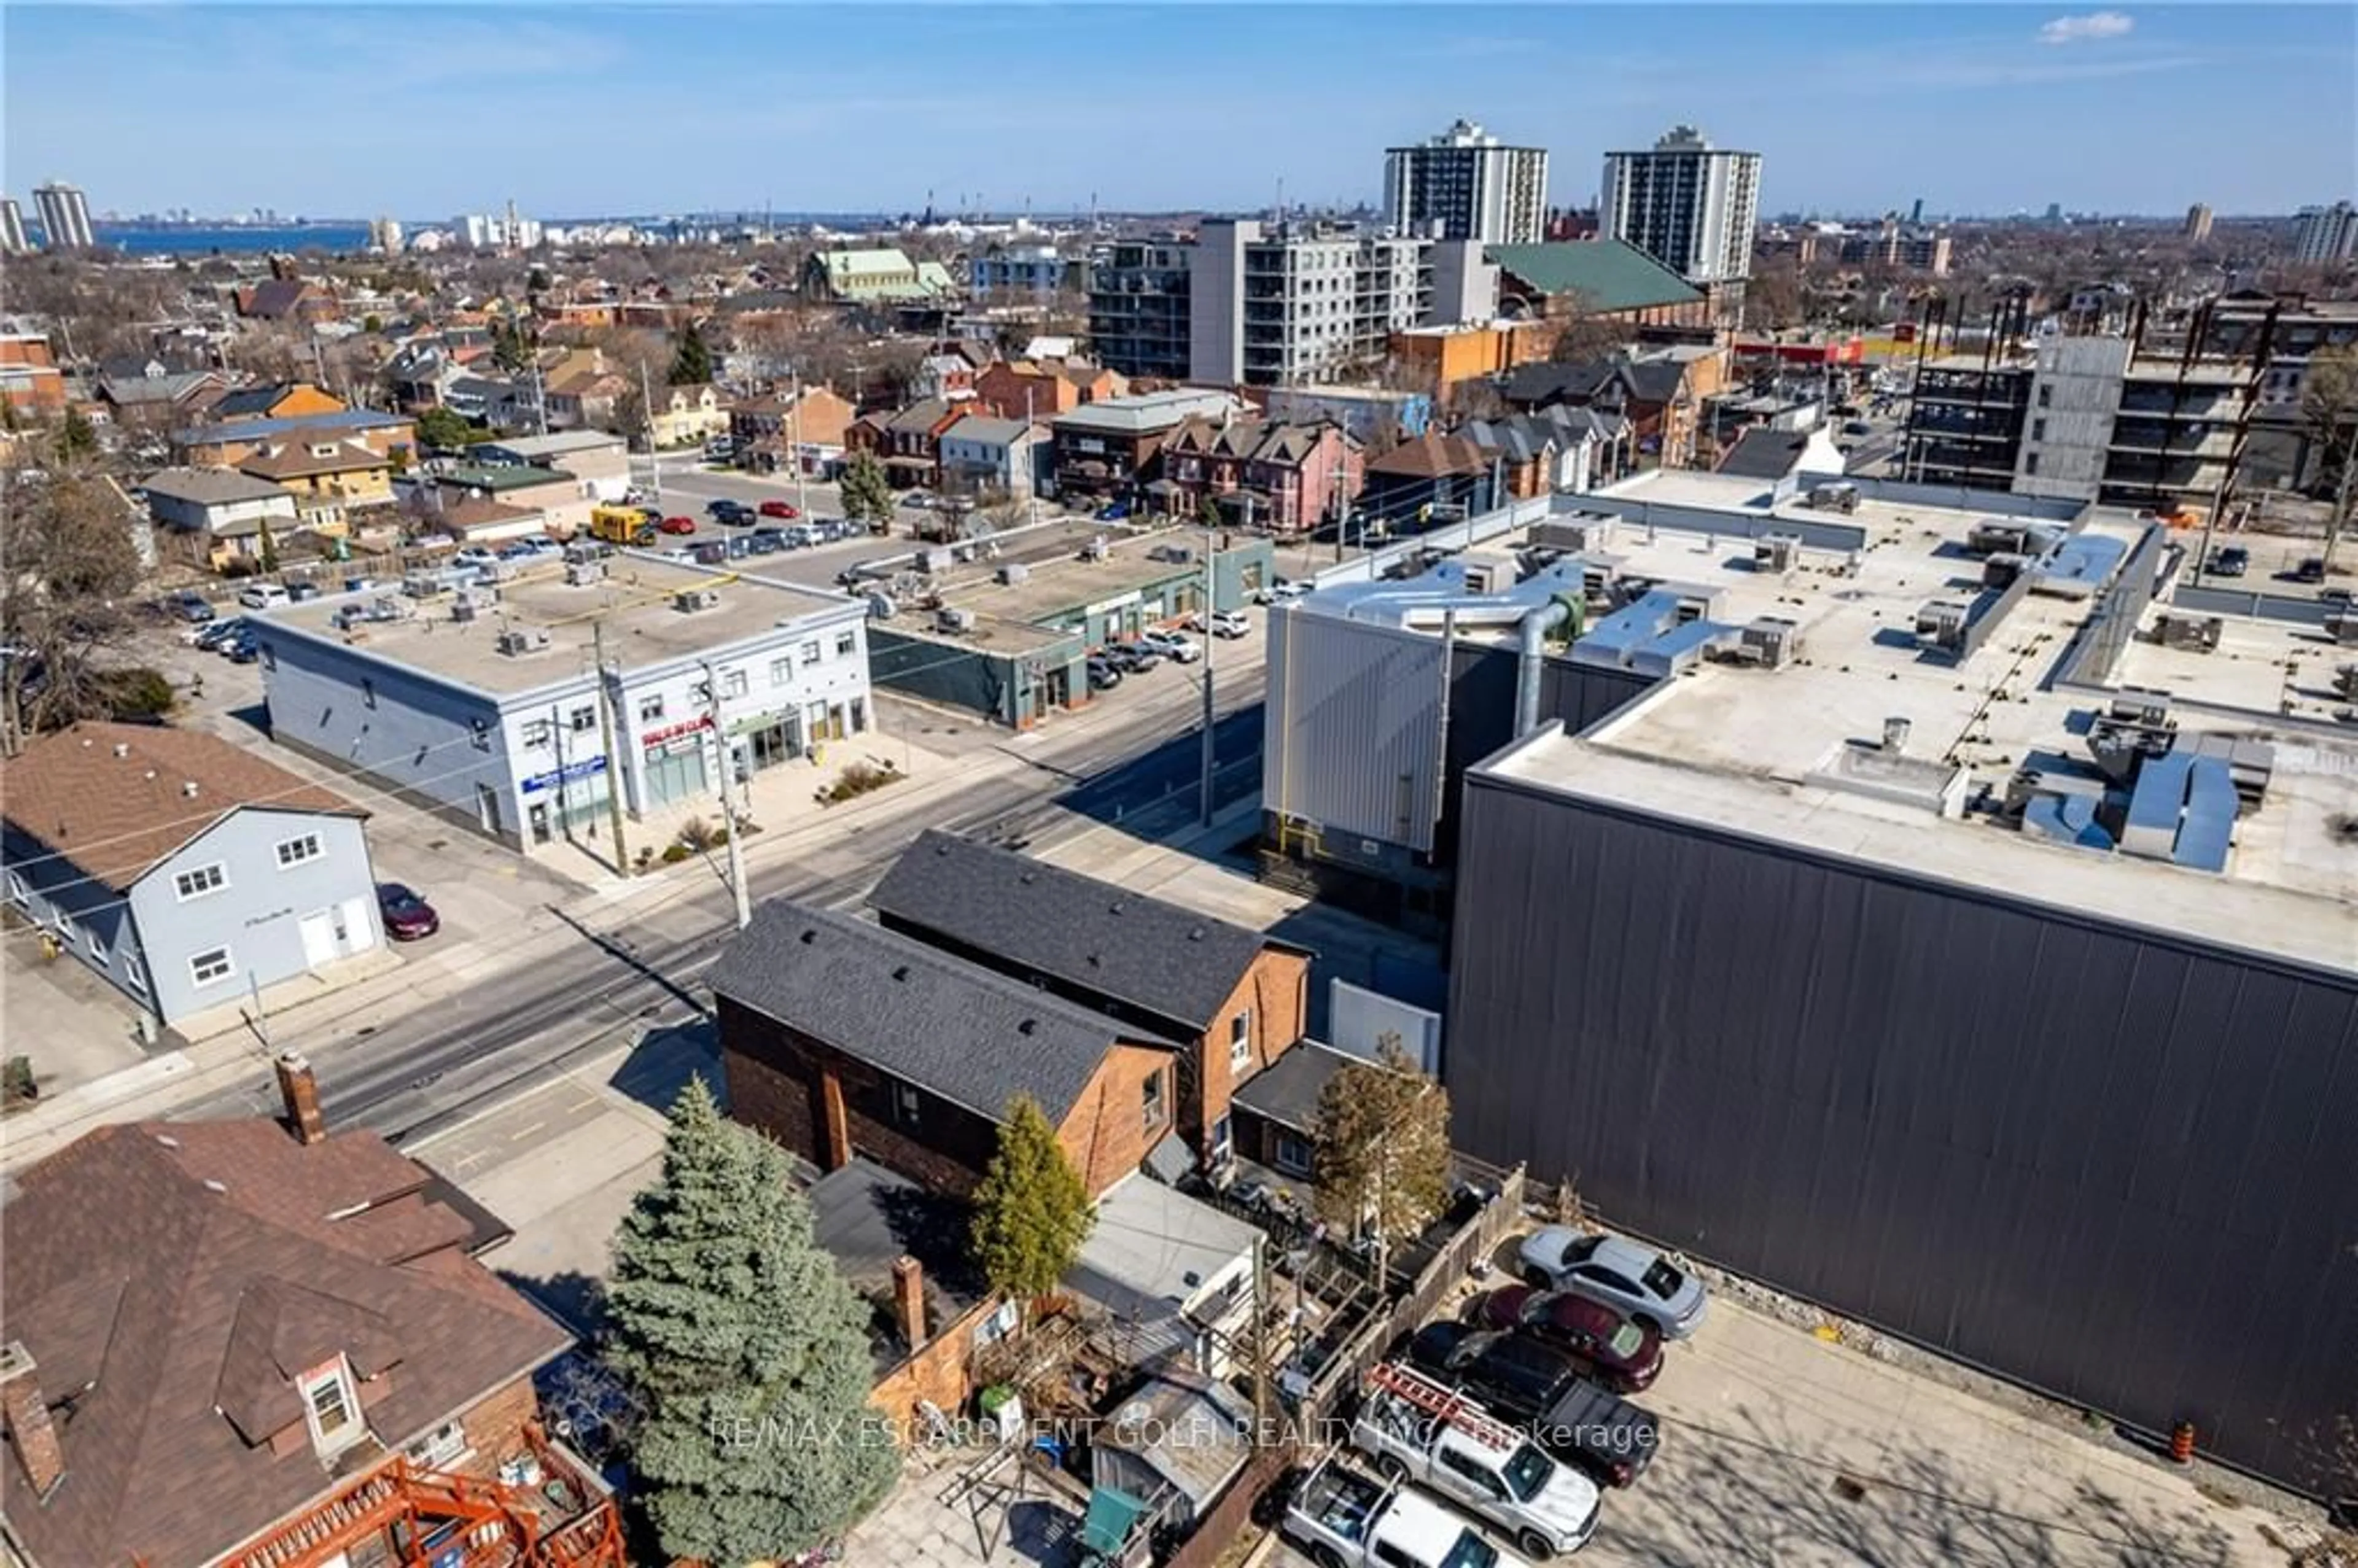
(1277, 989)
(1106, 1135)
(495, 1426)
(940, 1371)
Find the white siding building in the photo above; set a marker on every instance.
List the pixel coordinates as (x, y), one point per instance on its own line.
(1690, 206)
(1468, 186)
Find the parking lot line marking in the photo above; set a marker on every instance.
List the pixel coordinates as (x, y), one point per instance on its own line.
(519, 1137)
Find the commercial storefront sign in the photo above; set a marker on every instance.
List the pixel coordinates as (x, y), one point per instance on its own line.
(687, 729)
(1106, 606)
(588, 767)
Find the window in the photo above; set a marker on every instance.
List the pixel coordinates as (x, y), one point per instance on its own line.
(2030, 462)
(332, 1409)
(906, 1104)
(810, 652)
(535, 733)
(651, 709)
(1240, 1040)
(2046, 396)
(1293, 1155)
(1151, 1100)
(294, 851)
(200, 882)
(732, 683)
(444, 1448)
(368, 692)
(584, 718)
(481, 734)
(208, 967)
(97, 950)
(781, 671)
(2038, 429)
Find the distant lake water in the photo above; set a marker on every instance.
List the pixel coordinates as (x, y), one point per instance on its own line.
(133, 240)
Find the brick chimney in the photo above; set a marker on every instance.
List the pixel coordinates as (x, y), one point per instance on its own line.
(27, 1416)
(300, 1093)
(909, 1299)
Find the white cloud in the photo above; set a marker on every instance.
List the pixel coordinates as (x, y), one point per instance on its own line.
(2080, 29)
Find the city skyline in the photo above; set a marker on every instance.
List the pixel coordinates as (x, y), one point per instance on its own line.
(393, 116)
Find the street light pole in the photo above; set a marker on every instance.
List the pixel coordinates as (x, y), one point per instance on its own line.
(728, 814)
(647, 426)
(1211, 608)
(794, 450)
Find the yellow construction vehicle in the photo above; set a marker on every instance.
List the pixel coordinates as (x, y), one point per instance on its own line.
(620, 525)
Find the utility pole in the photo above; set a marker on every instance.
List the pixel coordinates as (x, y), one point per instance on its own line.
(795, 449)
(1211, 608)
(607, 724)
(647, 424)
(1260, 1335)
(1033, 489)
(540, 397)
(736, 849)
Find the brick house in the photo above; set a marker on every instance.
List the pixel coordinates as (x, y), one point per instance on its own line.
(1656, 394)
(284, 400)
(326, 477)
(1234, 999)
(225, 446)
(814, 418)
(1041, 389)
(910, 442)
(250, 1343)
(843, 1039)
(1285, 478)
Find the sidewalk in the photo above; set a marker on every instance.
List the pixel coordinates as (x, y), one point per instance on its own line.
(233, 1051)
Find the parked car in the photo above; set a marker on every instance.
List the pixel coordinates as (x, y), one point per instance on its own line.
(1622, 1273)
(2311, 569)
(2232, 560)
(244, 648)
(720, 504)
(1516, 1375)
(473, 555)
(264, 596)
(1285, 593)
(1113, 512)
(1602, 1433)
(407, 917)
(1104, 672)
(1221, 623)
(784, 510)
(920, 500)
(217, 633)
(1347, 1519)
(190, 605)
(677, 525)
(299, 591)
(1484, 1465)
(1602, 1339)
(1175, 645)
(1132, 657)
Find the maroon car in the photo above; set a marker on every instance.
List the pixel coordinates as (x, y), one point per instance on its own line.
(407, 916)
(1609, 1345)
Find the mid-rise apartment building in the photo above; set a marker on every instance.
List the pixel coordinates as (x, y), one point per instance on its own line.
(1688, 204)
(13, 239)
(1139, 293)
(2198, 222)
(1465, 184)
(2325, 235)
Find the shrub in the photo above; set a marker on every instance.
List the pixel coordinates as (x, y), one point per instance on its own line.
(136, 694)
(17, 1084)
(858, 779)
(674, 853)
(697, 834)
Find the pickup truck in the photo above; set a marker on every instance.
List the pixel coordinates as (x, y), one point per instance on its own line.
(1347, 1518)
(1489, 1469)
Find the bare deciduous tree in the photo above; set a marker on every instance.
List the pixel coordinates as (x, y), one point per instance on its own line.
(66, 598)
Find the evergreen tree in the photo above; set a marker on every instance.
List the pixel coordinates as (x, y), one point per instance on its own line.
(1207, 512)
(76, 439)
(866, 493)
(1031, 1212)
(747, 1350)
(265, 548)
(691, 360)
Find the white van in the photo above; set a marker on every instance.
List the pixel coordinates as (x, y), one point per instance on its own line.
(264, 596)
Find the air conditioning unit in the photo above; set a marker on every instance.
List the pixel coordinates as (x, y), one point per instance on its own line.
(881, 607)
(950, 619)
(1941, 625)
(689, 601)
(584, 574)
(1013, 572)
(465, 608)
(1772, 642)
(1776, 553)
(2196, 634)
(423, 585)
(1833, 497)
(1094, 550)
(518, 641)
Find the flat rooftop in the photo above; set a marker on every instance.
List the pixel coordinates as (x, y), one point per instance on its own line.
(1794, 752)
(636, 601)
(1057, 579)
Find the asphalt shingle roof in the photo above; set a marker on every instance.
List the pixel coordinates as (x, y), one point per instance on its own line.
(209, 487)
(1763, 453)
(1160, 957)
(1287, 1090)
(1608, 274)
(972, 1036)
(180, 1275)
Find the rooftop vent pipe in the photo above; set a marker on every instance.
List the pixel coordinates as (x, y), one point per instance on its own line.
(1534, 629)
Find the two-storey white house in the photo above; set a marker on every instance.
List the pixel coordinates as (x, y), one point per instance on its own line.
(980, 455)
(484, 704)
(185, 871)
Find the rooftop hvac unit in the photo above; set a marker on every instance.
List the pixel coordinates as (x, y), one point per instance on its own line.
(521, 641)
(423, 585)
(2345, 682)
(1771, 641)
(950, 619)
(1177, 555)
(584, 574)
(1941, 625)
(881, 607)
(1996, 536)
(1096, 549)
(2140, 705)
(688, 600)
(2196, 634)
(2341, 629)
(2000, 570)
(1013, 572)
(1776, 553)
(1841, 498)
(387, 607)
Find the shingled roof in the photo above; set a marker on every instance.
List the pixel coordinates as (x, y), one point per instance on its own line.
(1157, 957)
(972, 1036)
(116, 798)
(172, 1279)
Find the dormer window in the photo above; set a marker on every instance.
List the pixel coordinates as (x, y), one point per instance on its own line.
(331, 1408)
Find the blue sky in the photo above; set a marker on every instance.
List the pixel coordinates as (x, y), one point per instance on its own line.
(427, 110)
